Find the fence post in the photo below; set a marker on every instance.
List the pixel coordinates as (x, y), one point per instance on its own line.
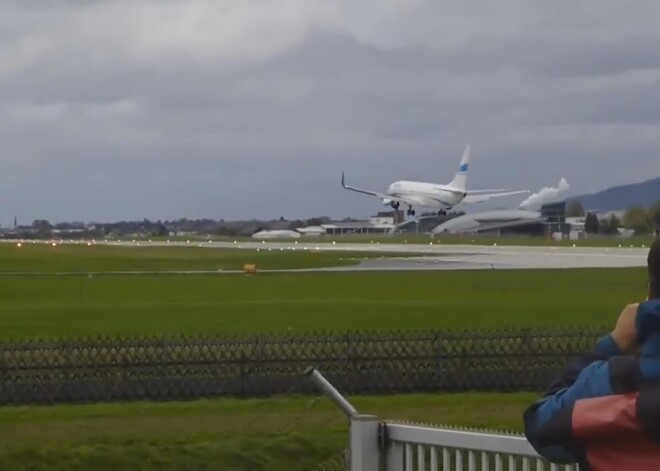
(364, 446)
(526, 351)
(242, 364)
(440, 362)
(329, 391)
(350, 361)
(364, 450)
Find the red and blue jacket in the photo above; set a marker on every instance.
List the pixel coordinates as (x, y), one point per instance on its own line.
(603, 411)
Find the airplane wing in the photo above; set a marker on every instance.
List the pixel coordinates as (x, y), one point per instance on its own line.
(409, 200)
(478, 192)
(358, 190)
(477, 197)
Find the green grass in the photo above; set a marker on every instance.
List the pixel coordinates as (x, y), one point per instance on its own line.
(43, 258)
(57, 306)
(290, 433)
(281, 433)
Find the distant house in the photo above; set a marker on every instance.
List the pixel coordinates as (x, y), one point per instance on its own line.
(312, 231)
(276, 234)
(381, 224)
(374, 226)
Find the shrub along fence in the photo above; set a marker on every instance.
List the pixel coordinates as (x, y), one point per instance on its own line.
(183, 368)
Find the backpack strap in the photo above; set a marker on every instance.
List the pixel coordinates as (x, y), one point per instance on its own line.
(648, 410)
(625, 374)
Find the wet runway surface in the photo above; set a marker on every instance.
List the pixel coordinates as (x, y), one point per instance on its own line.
(462, 257)
(506, 258)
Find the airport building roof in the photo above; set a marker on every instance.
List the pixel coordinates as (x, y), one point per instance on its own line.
(356, 225)
(381, 225)
(489, 221)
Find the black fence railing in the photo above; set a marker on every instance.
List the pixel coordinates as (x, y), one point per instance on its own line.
(158, 369)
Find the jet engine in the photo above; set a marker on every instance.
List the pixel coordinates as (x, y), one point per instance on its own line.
(389, 202)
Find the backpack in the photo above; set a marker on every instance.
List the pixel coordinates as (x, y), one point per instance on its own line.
(616, 432)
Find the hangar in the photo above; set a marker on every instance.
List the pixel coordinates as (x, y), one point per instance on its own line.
(551, 219)
(491, 221)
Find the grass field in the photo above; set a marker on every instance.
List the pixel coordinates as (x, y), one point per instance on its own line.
(289, 433)
(56, 306)
(282, 433)
(44, 258)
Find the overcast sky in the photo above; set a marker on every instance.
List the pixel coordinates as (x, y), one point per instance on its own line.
(131, 109)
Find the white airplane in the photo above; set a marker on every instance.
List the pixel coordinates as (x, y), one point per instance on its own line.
(440, 198)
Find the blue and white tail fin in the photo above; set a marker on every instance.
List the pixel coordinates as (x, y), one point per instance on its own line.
(460, 180)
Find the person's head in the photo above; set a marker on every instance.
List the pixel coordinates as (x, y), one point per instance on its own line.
(654, 270)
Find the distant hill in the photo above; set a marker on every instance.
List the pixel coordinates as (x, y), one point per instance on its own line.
(622, 197)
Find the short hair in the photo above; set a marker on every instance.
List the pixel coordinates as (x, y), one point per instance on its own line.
(653, 262)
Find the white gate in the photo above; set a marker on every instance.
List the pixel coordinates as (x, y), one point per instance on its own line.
(380, 445)
(421, 448)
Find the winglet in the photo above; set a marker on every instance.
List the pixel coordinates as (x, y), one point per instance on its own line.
(343, 180)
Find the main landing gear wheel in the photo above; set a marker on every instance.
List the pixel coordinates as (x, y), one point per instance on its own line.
(411, 212)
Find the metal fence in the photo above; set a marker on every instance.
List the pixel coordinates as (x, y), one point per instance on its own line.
(375, 444)
(417, 447)
(115, 369)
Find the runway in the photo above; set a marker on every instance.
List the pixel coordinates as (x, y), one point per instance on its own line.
(468, 257)
(432, 256)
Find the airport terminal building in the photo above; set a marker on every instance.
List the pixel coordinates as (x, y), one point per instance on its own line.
(549, 221)
(382, 224)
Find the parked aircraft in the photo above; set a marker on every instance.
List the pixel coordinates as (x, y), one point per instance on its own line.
(440, 198)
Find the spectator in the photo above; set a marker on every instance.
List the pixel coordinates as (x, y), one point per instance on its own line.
(603, 412)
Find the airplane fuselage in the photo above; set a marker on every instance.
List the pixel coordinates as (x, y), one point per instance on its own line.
(432, 195)
(428, 195)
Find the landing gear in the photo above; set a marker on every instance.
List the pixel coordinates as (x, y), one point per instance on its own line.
(411, 211)
(442, 213)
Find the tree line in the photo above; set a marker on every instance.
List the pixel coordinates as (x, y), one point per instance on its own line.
(638, 218)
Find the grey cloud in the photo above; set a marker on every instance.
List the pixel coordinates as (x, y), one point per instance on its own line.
(266, 131)
(629, 106)
(558, 57)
